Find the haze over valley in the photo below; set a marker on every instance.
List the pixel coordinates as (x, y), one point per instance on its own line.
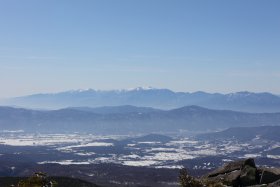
(149, 97)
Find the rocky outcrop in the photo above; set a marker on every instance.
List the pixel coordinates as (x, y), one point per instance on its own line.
(244, 173)
(269, 175)
(274, 184)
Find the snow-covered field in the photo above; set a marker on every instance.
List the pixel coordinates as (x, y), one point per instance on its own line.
(91, 149)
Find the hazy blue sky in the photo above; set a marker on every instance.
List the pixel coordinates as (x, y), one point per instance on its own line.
(184, 45)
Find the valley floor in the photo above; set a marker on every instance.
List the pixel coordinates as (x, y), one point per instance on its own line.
(152, 160)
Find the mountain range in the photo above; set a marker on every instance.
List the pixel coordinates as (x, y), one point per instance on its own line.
(245, 133)
(189, 118)
(149, 97)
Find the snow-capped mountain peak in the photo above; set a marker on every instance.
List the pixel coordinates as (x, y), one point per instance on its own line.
(141, 88)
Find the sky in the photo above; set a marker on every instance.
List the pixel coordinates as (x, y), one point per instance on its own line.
(183, 45)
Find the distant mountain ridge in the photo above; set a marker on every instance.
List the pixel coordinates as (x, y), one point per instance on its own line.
(189, 118)
(150, 97)
(116, 109)
(245, 133)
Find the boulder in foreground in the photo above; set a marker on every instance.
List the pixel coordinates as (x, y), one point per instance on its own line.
(243, 173)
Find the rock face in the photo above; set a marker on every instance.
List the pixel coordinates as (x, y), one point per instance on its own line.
(274, 184)
(269, 175)
(244, 173)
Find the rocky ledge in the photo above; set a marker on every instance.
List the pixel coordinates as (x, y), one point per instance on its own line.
(243, 173)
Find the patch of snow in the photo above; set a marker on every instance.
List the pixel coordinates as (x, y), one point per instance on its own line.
(160, 149)
(148, 142)
(252, 155)
(209, 152)
(227, 160)
(273, 156)
(131, 145)
(85, 154)
(170, 167)
(140, 163)
(165, 156)
(133, 156)
(232, 148)
(65, 162)
(92, 144)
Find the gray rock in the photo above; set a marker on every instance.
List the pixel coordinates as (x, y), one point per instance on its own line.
(274, 184)
(243, 173)
(232, 166)
(269, 175)
(229, 179)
